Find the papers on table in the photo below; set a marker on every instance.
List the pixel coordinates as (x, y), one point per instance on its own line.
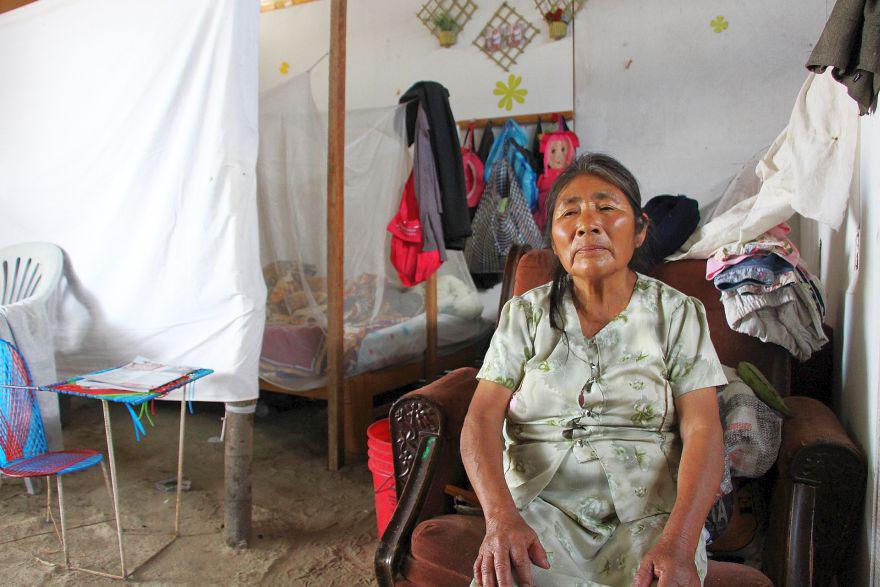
(140, 375)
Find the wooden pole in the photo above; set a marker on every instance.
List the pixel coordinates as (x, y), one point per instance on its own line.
(335, 235)
(239, 453)
(431, 319)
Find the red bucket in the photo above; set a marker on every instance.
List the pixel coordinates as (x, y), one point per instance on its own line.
(380, 461)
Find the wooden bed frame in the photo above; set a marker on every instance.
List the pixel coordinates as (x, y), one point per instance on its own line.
(360, 391)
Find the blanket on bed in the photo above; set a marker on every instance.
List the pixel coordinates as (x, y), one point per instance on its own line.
(296, 313)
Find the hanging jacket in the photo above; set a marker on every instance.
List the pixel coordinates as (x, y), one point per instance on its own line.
(520, 163)
(850, 45)
(427, 189)
(434, 99)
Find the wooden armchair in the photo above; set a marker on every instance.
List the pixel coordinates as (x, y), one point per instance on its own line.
(815, 491)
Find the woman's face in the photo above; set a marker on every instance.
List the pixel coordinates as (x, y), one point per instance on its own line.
(594, 231)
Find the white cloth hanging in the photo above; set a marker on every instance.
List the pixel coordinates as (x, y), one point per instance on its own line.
(808, 169)
(128, 137)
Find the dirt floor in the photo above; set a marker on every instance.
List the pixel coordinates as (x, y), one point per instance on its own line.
(311, 526)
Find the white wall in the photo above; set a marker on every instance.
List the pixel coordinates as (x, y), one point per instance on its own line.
(854, 314)
(389, 49)
(694, 105)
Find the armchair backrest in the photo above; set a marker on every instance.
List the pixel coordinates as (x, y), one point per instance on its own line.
(535, 267)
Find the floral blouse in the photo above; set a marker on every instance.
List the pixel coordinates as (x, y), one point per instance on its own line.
(609, 397)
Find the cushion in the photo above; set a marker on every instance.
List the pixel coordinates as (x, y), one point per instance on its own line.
(443, 550)
(535, 268)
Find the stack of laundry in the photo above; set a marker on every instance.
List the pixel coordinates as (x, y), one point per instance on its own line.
(768, 293)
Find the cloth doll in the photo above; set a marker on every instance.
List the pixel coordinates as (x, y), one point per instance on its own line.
(558, 148)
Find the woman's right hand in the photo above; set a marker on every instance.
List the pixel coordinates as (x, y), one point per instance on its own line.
(509, 548)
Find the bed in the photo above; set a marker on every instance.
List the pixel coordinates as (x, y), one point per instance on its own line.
(386, 342)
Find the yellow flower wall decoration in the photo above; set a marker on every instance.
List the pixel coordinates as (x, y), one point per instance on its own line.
(284, 68)
(719, 23)
(510, 92)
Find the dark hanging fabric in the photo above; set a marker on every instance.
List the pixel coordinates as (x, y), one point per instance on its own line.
(537, 156)
(486, 142)
(434, 100)
(850, 45)
(561, 120)
(673, 220)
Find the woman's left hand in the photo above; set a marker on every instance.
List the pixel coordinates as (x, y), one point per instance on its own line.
(672, 565)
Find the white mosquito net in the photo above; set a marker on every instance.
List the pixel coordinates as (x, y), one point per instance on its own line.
(384, 322)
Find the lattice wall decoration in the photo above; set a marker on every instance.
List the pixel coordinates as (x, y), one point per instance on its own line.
(570, 7)
(461, 11)
(506, 36)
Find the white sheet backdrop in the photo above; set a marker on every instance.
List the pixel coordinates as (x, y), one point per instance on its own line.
(128, 136)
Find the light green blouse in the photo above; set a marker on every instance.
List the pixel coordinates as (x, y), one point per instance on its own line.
(609, 397)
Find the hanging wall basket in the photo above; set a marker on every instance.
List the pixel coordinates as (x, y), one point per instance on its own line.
(446, 18)
(558, 30)
(506, 36)
(558, 14)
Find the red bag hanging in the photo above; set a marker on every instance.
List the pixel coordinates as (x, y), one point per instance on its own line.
(413, 265)
(473, 170)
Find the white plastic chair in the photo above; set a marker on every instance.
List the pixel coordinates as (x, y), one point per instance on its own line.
(29, 270)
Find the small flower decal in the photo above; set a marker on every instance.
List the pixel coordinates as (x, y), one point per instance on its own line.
(719, 23)
(284, 68)
(510, 92)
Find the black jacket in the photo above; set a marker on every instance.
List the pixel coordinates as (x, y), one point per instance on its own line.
(434, 99)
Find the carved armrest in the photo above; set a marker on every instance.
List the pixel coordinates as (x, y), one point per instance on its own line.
(394, 543)
(817, 497)
(425, 430)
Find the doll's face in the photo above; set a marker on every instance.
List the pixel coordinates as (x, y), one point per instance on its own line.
(559, 154)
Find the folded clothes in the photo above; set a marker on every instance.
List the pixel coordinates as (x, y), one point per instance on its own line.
(815, 288)
(772, 241)
(765, 270)
(788, 316)
(754, 289)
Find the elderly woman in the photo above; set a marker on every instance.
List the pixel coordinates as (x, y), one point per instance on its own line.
(603, 382)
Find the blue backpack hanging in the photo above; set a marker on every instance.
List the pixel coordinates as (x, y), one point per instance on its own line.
(521, 166)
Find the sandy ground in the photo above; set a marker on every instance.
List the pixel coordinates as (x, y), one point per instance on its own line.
(311, 526)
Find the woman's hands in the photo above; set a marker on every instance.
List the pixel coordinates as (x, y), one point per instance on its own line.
(509, 549)
(671, 564)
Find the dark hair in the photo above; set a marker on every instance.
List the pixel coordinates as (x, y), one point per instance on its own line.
(612, 171)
